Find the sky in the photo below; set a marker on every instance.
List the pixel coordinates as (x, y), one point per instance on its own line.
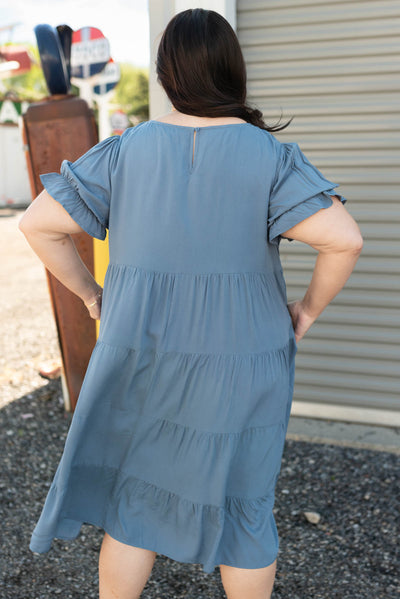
(124, 22)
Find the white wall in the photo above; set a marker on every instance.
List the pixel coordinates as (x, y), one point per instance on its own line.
(14, 179)
(161, 12)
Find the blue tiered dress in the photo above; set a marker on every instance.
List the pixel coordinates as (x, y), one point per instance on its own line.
(176, 441)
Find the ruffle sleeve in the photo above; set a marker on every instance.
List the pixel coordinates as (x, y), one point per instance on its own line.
(299, 190)
(83, 187)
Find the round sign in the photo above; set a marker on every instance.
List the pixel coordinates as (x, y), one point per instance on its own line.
(107, 79)
(90, 52)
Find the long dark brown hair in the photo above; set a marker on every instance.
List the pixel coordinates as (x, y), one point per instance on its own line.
(201, 67)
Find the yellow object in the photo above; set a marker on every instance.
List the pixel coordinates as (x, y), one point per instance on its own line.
(101, 259)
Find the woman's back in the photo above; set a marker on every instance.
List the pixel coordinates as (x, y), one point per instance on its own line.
(192, 236)
(176, 212)
(194, 217)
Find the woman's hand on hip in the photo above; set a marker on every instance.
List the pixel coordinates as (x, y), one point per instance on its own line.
(300, 319)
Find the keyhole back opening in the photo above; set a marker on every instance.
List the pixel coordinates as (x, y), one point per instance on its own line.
(194, 143)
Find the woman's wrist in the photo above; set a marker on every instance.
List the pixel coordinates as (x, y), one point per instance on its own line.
(307, 310)
(93, 298)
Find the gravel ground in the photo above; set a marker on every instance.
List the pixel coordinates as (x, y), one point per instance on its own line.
(28, 335)
(351, 553)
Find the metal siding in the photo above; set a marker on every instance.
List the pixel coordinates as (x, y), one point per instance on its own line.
(335, 67)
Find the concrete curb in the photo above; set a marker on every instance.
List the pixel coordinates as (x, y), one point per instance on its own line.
(359, 436)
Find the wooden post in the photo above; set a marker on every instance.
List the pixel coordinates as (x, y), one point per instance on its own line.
(58, 128)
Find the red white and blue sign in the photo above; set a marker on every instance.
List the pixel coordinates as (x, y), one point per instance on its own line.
(90, 52)
(107, 79)
(119, 122)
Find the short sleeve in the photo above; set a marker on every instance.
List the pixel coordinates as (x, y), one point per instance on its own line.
(298, 191)
(83, 187)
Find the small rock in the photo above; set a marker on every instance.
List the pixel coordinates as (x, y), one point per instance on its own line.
(51, 370)
(312, 517)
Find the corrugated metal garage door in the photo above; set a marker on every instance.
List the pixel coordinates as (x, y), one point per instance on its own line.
(335, 67)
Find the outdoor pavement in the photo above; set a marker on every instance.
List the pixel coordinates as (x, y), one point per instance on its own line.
(337, 502)
(359, 436)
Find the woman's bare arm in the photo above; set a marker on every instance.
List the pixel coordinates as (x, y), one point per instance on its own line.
(48, 227)
(336, 236)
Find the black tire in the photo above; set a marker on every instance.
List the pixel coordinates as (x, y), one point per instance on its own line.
(52, 59)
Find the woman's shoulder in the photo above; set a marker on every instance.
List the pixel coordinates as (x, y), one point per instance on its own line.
(263, 142)
(133, 131)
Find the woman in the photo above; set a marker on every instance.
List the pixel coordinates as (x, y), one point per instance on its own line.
(176, 441)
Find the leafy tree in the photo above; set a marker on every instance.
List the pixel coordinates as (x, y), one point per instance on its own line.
(132, 91)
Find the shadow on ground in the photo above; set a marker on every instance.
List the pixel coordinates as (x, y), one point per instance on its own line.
(351, 553)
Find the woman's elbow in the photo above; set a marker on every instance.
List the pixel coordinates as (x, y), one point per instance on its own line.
(29, 222)
(24, 224)
(345, 235)
(355, 241)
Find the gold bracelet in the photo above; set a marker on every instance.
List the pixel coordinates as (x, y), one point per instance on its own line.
(99, 293)
(91, 305)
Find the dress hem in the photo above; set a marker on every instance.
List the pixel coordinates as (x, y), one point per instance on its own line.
(46, 545)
